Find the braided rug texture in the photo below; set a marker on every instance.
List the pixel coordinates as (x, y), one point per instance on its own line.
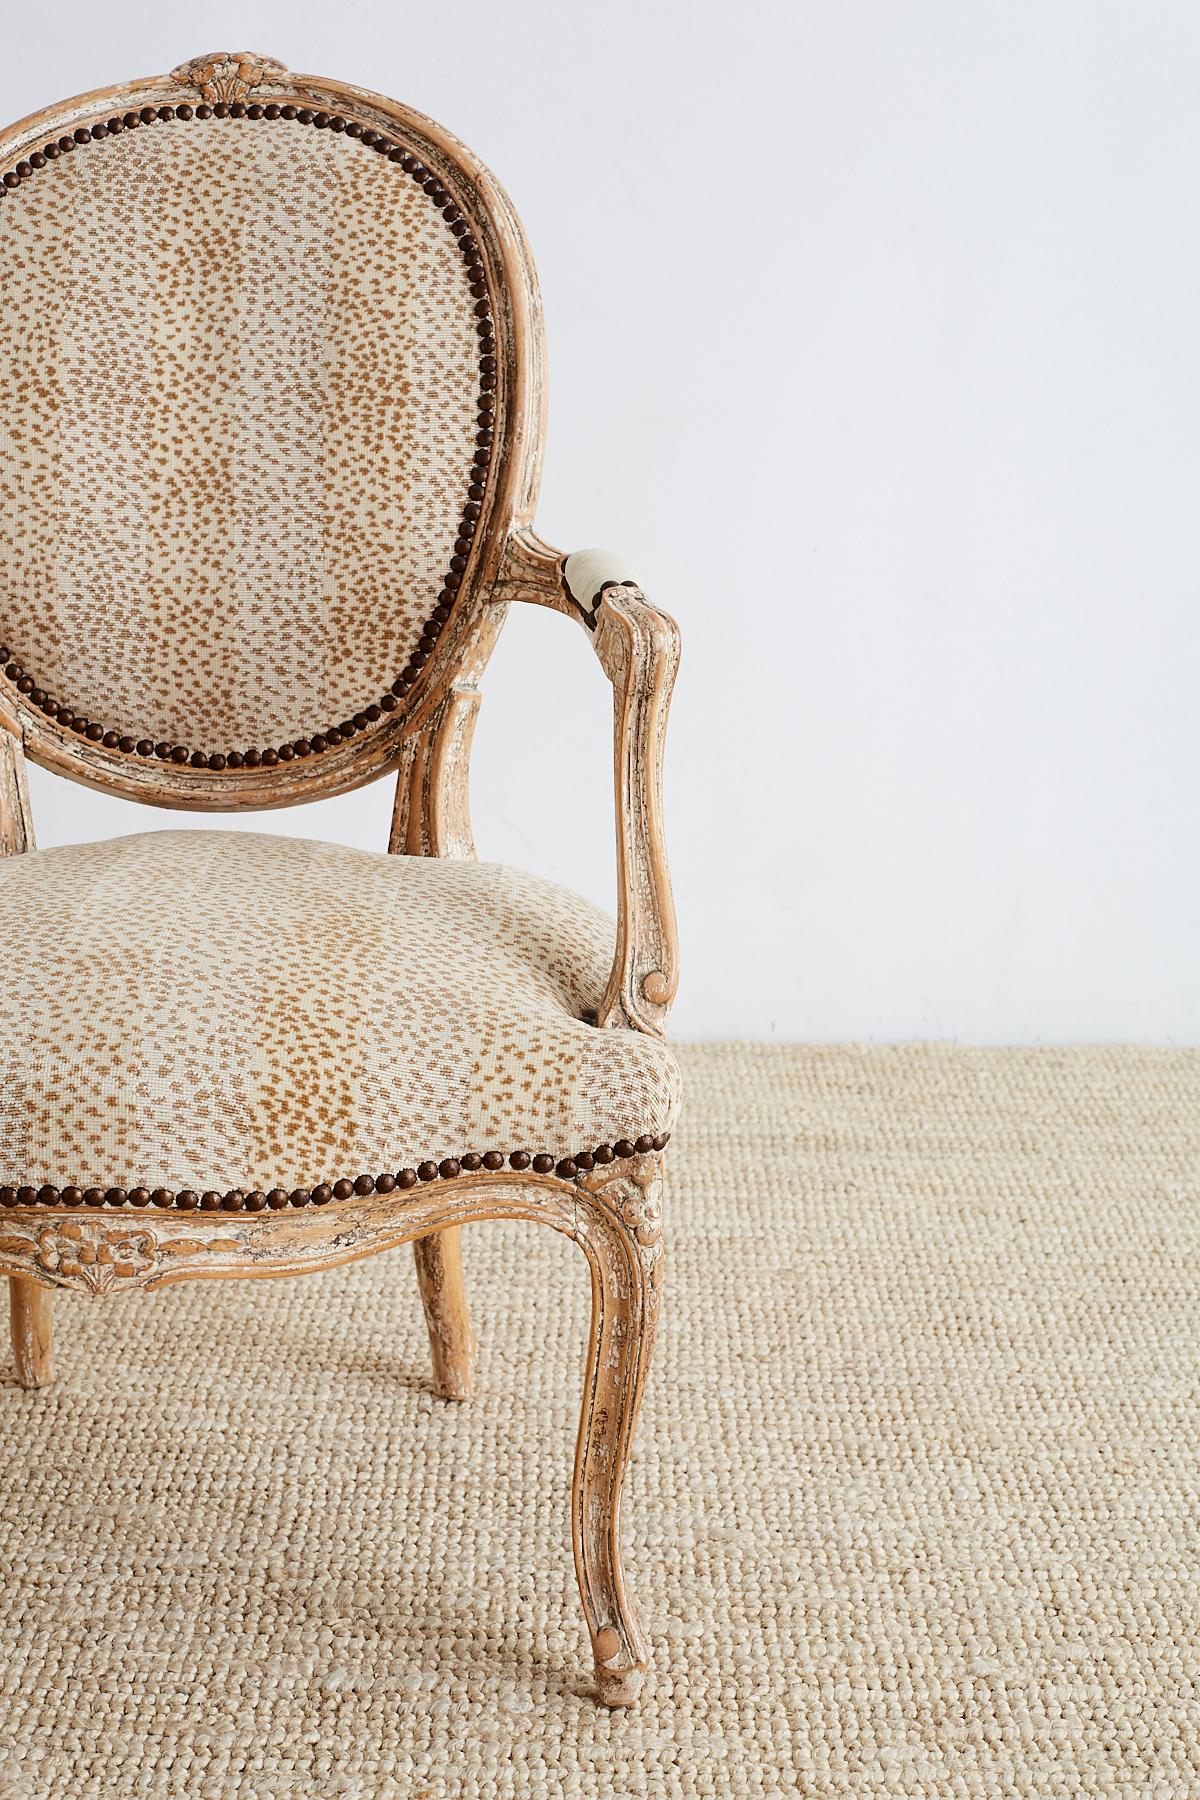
(914, 1508)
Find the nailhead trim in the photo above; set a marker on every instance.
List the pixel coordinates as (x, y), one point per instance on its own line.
(182, 755)
(600, 593)
(254, 1200)
(589, 615)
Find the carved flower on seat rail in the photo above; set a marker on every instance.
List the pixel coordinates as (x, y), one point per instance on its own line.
(96, 1255)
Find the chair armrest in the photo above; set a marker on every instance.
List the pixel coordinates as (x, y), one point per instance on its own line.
(16, 815)
(638, 648)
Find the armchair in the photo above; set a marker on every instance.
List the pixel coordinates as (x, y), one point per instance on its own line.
(270, 387)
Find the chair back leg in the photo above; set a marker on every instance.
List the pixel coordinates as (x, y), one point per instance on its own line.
(451, 1339)
(31, 1315)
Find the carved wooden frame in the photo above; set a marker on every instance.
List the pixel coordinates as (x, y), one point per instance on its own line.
(613, 1212)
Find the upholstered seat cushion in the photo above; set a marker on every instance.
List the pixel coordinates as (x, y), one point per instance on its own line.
(220, 1010)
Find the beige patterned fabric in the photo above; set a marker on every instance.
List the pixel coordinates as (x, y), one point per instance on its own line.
(238, 383)
(231, 1010)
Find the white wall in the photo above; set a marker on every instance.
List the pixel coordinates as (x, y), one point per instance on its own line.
(874, 342)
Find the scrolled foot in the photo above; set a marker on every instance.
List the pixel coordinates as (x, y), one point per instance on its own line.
(618, 1681)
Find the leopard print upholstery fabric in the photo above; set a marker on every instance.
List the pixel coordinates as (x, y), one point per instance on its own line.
(224, 1009)
(238, 385)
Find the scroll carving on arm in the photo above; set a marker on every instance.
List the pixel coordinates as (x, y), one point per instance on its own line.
(638, 648)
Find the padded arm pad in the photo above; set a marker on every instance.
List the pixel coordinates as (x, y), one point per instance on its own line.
(588, 572)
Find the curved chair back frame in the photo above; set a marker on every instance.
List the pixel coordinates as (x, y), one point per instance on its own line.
(257, 94)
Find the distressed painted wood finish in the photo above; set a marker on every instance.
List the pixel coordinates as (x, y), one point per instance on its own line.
(452, 1342)
(638, 648)
(432, 813)
(16, 814)
(614, 1214)
(31, 1320)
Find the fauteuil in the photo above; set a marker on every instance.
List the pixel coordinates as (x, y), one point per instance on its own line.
(271, 428)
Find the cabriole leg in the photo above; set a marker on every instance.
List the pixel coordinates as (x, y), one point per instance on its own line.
(440, 1277)
(30, 1311)
(622, 1235)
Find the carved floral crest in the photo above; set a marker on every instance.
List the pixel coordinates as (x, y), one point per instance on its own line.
(228, 74)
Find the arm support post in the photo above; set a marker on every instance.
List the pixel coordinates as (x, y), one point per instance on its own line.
(638, 648)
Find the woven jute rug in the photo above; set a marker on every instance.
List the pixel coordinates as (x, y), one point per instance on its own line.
(914, 1509)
